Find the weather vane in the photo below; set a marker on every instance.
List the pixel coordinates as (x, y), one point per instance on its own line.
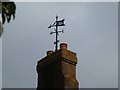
(56, 24)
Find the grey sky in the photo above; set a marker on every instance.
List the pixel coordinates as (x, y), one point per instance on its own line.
(91, 31)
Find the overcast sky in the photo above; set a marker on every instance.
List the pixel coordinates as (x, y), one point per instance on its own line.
(91, 31)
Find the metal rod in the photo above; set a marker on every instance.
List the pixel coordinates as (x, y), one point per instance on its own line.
(56, 44)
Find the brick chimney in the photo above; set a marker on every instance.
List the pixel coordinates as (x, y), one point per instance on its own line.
(58, 69)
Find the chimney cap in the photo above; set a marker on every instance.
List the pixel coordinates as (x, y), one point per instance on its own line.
(49, 52)
(63, 46)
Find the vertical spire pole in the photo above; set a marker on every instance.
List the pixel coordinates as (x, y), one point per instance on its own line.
(56, 43)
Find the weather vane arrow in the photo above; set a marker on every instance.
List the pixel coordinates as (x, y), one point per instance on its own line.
(57, 24)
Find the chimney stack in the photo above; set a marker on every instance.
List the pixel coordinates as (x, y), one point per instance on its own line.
(58, 69)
